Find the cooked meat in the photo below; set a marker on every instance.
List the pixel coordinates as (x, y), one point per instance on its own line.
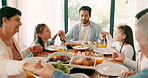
(84, 62)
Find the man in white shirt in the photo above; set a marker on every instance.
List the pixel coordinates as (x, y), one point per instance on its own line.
(85, 30)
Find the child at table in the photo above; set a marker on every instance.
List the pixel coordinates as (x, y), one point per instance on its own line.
(42, 36)
(123, 43)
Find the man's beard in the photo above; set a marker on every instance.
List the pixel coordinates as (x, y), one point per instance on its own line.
(85, 21)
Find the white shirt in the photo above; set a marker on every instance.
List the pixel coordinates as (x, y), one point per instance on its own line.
(126, 49)
(142, 62)
(7, 64)
(84, 33)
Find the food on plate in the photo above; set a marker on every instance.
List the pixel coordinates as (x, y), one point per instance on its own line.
(59, 65)
(74, 43)
(87, 53)
(89, 42)
(82, 47)
(84, 62)
(70, 44)
(62, 57)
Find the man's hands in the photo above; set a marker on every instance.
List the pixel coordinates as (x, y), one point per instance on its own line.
(62, 35)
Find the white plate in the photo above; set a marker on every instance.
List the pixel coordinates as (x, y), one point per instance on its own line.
(106, 51)
(34, 59)
(80, 47)
(91, 47)
(35, 76)
(54, 47)
(111, 69)
(75, 42)
(80, 75)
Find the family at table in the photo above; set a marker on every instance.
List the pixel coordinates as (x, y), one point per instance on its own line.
(11, 64)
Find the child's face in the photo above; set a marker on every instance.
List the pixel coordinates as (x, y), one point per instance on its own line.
(46, 34)
(119, 36)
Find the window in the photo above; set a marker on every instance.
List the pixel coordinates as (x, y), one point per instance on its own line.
(121, 12)
(0, 4)
(100, 12)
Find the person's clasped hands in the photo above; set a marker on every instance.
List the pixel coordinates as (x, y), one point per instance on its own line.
(40, 68)
(62, 35)
(36, 48)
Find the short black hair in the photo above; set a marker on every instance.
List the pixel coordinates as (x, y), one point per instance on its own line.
(8, 12)
(85, 8)
(141, 13)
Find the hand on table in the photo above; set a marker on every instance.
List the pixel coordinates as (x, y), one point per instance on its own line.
(118, 56)
(126, 74)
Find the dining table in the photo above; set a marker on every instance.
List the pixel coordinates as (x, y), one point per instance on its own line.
(95, 74)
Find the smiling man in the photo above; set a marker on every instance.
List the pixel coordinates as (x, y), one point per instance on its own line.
(85, 30)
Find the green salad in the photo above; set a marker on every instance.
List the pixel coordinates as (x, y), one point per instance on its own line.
(59, 66)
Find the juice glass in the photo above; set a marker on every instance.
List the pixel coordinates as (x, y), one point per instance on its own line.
(60, 49)
(101, 45)
(99, 60)
(28, 73)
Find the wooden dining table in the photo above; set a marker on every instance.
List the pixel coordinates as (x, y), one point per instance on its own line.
(95, 73)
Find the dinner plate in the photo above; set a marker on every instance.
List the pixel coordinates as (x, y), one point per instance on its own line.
(106, 51)
(111, 69)
(35, 59)
(80, 47)
(54, 47)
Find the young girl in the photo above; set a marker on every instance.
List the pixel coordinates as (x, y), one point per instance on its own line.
(124, 42)
(42, 36)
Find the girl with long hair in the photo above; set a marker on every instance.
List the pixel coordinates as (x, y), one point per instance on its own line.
(123, 41)
(42, 36)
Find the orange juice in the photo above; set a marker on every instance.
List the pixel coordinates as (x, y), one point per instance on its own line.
(101, 45)
(99, 60)
(60, 50)
(28, 73)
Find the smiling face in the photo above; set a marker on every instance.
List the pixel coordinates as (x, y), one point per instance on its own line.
(84, 16)
(46, 34)
(119, 36)
(12, 25)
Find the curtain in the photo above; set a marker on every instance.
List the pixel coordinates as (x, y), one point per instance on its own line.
(135, 6)
(34, 12)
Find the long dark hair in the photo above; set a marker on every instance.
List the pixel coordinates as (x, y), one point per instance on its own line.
(129, 37)
(39, 29)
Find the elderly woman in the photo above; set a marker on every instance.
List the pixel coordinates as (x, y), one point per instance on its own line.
(10, 53)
